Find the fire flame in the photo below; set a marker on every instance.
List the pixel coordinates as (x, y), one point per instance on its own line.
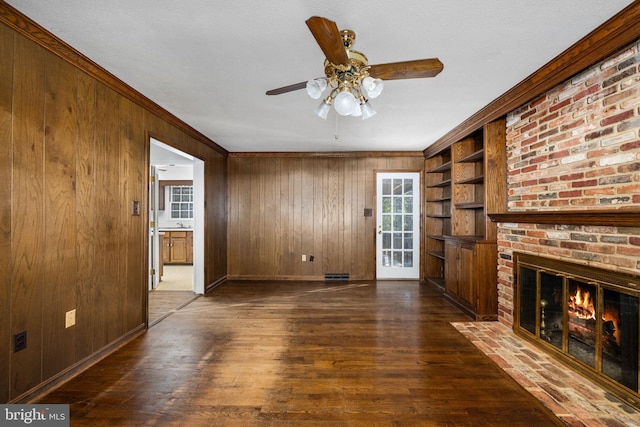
(611, 314)
(581, 304)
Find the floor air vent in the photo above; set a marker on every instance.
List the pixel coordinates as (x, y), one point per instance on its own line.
(336, 276)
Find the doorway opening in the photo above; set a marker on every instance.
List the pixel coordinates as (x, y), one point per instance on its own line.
(176, 229)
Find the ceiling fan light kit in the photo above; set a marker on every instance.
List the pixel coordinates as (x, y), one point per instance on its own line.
(322, 110)
(348, 73)
(348, 93)
(316, 87)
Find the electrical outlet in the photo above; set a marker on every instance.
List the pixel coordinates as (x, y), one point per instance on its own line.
(304, 258)
(19, 341)
(70, 318)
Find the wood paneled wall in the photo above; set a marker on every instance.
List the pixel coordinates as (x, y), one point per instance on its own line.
(281, 207)
(73, 158)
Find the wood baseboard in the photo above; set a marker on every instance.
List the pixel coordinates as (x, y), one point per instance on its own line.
(215, 284)
(79, 367)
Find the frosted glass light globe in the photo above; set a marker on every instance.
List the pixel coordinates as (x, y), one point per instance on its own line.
(316, 87)
(345, 103)
(367, 111)
(373, 87)
(322, 110)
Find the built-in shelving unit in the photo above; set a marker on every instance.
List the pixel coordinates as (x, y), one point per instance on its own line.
(438, 214)
(464, 182)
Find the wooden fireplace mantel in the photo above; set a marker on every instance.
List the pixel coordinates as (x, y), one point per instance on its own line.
(610, 217)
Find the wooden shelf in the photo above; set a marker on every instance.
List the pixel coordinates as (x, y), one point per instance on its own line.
(436, 254)
(445, 183)
(472, 158)
(610, 217)
(442, 199)
(465, 239)
(474, 180)
(442, 168)
(470, 205)
(438, 216)
(431, 236)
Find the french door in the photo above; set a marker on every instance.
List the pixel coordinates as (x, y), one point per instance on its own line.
(398, 225)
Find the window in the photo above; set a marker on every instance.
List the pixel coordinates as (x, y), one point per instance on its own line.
(181, 201)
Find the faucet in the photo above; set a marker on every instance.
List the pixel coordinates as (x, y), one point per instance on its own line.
(181, 225)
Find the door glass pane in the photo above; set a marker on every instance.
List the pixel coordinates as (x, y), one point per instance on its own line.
(408, 240)
(408, 187)
(397, 187)
(386, 223)
(397, 223)
(397, 240)
(397, 259)
(386, 258)
(408, 205)
(397, 205)
(408, 259)
(408, 223)
(386, 205)
(386, 240)
(386, 187)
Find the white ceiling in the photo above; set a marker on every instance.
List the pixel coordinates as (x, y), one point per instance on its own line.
(210, 62)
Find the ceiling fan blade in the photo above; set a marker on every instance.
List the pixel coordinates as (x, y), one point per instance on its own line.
(285, 89)
(328, 37)
(417, 69)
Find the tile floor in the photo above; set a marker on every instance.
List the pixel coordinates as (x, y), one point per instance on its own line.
(177, 278)
(574, 399)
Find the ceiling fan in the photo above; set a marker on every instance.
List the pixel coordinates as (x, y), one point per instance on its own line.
(348, 74)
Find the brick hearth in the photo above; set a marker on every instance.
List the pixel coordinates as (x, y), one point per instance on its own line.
(574, 399)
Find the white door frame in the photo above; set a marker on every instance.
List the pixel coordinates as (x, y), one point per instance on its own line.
(198, 217)
(154, 240)
(398, 231)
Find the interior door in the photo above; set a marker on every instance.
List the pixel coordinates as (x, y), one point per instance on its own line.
(398, 225)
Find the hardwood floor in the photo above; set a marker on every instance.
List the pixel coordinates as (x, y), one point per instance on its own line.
(303, 354)
(173, 292)
(164, 303)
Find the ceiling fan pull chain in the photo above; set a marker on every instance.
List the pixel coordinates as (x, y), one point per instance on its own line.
(336, 134)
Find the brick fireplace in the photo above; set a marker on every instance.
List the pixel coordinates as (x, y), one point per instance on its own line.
(573, 165)
(573, 159)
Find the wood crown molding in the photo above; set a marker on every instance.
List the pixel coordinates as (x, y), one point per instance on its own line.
(614, 34)
(609, 217)
(39, 35)
(331, 154)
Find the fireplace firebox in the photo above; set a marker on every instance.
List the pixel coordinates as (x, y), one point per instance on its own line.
(588, 317)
